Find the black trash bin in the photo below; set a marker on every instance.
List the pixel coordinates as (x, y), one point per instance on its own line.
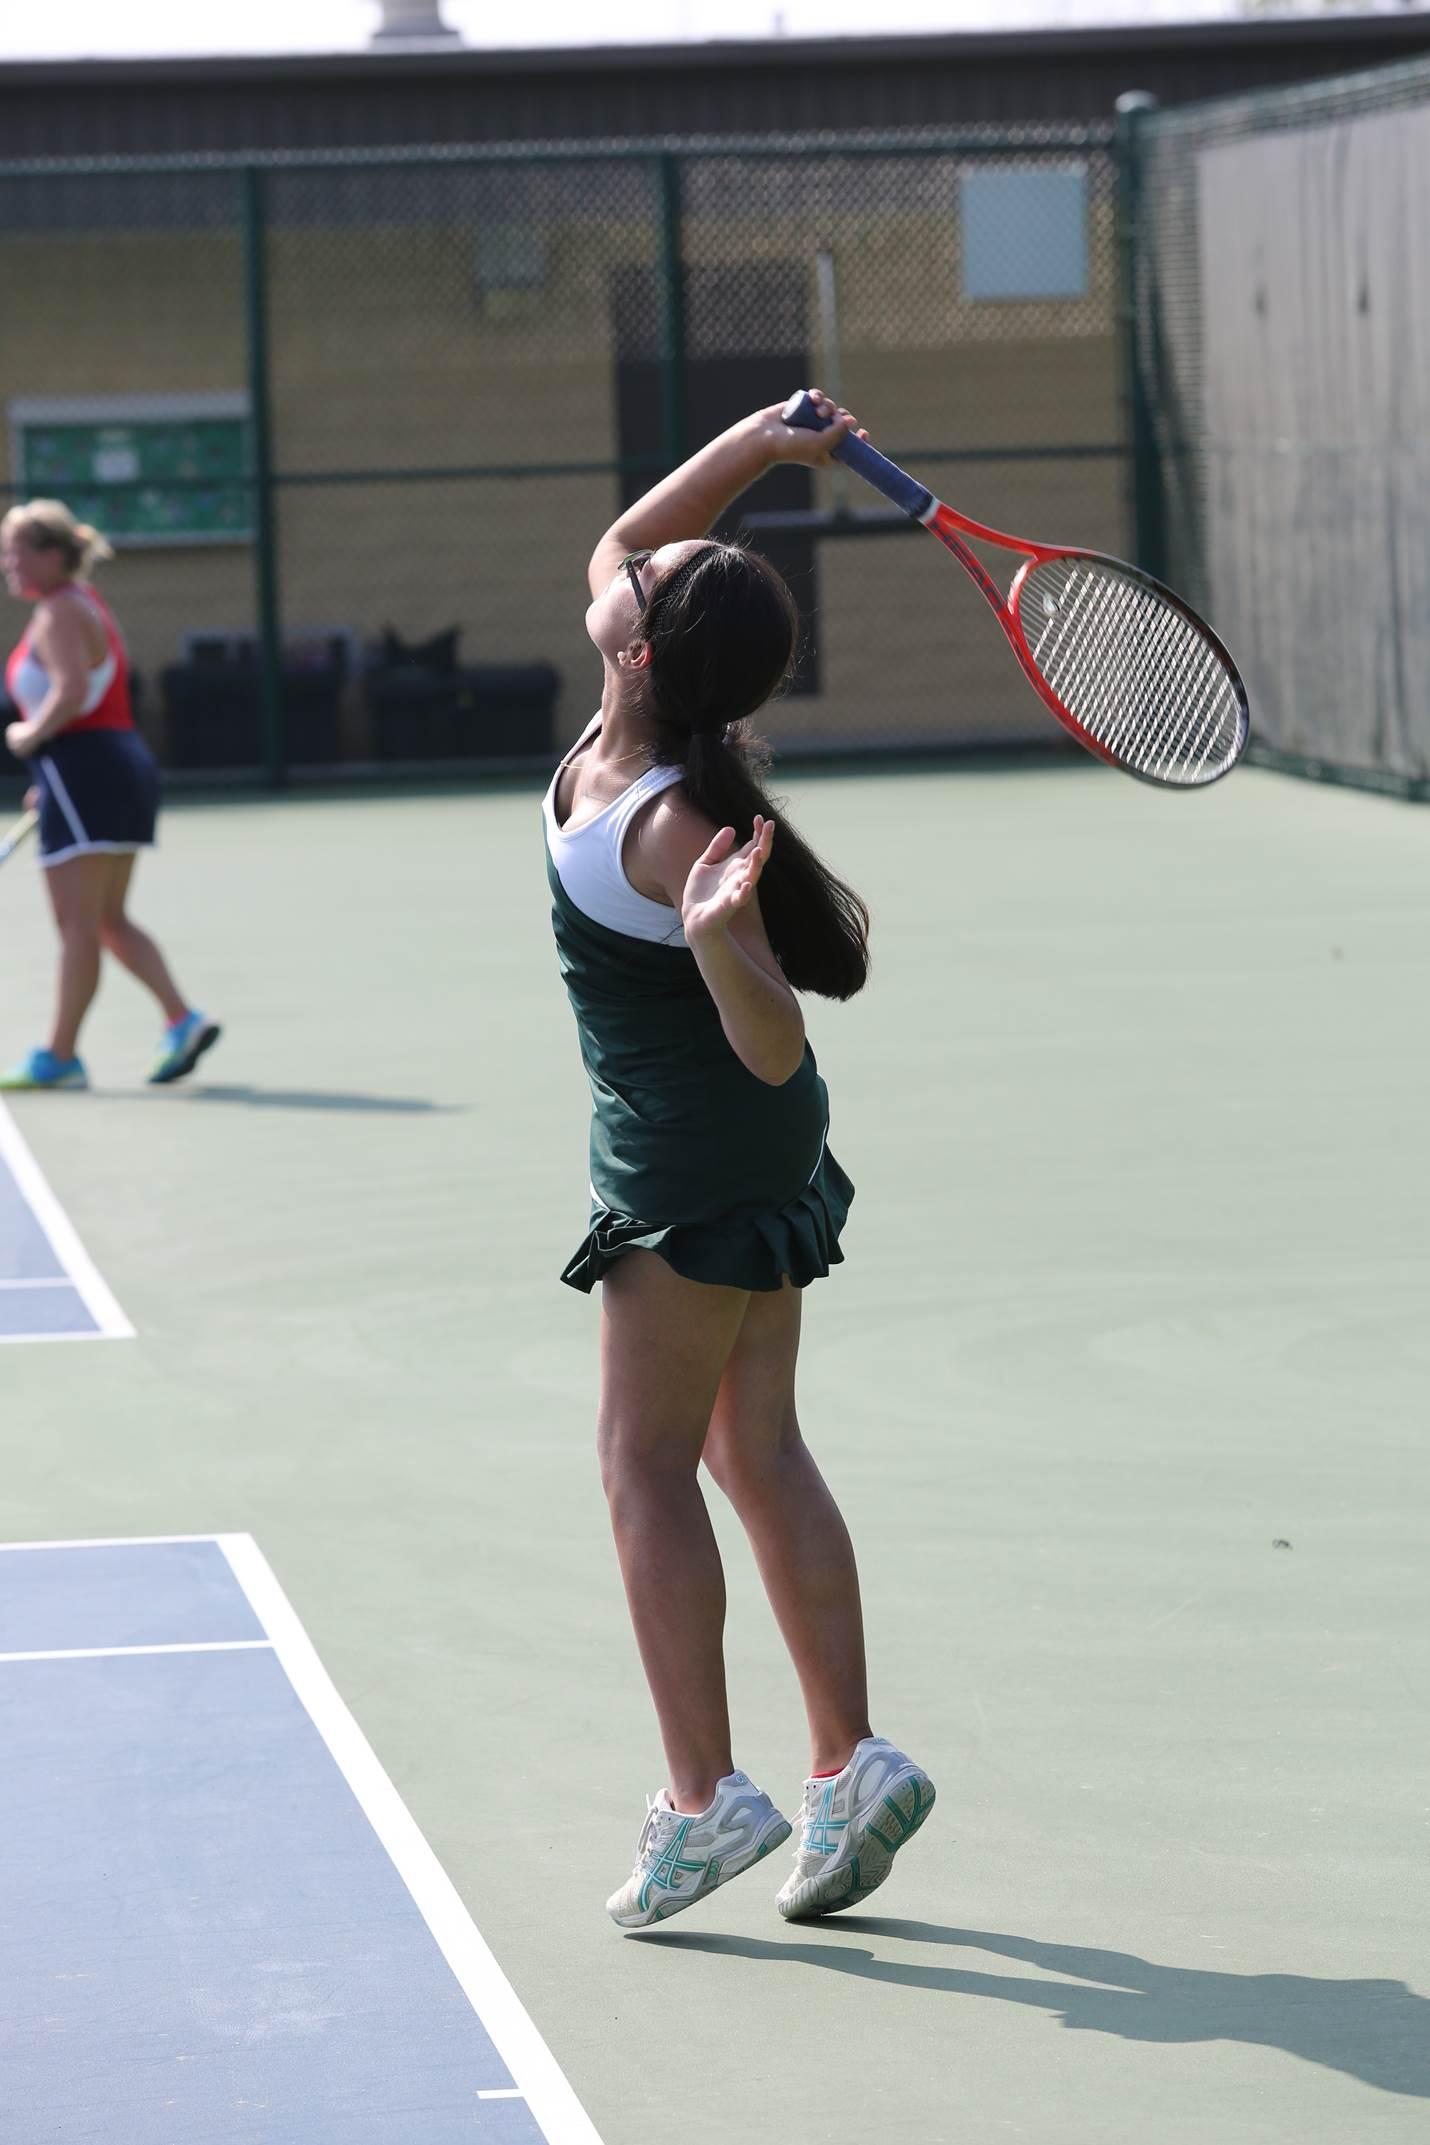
(481, 711)
(214, 712)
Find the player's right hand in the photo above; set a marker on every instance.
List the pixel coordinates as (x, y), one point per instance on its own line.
(794, 443)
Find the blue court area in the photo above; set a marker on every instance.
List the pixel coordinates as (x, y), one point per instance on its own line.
(49, 1290)
(205, 1940)
(37, 1296)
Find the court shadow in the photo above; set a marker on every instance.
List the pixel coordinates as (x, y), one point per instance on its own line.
(1376, 2031)
(290, 1098)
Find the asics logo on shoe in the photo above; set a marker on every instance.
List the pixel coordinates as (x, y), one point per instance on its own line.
(663, 1867)
(822, 1830)
(663, 1860)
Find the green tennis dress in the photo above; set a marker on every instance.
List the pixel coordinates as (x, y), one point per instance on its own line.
(728, 1179)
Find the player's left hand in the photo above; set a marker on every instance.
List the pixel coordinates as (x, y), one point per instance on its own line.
(723, 880)
(22, 738)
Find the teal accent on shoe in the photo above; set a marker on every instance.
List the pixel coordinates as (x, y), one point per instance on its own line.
(822, 1833)
(907, 1823)
(905, 1828)
(42, 1069)
(666, 1872)
(184, 1044)
(903, 1811)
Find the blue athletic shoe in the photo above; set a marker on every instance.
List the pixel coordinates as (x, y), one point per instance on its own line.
(183, 1045)
(41, 1068)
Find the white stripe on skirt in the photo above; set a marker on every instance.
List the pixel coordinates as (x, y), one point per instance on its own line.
(91, 849)
(65, 802)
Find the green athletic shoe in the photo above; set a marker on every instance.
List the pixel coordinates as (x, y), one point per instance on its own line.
(183, 1045)
(41, 1068)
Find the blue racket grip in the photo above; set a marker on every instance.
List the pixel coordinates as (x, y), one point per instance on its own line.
(866, 461)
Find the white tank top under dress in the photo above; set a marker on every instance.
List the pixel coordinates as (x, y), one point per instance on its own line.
(729, 1179)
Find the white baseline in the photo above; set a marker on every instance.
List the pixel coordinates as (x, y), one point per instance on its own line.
(540, 2081)
(93, 1290)
(539, 2078)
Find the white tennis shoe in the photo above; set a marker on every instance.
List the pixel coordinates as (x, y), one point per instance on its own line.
(852, 1826)
(680, 1859)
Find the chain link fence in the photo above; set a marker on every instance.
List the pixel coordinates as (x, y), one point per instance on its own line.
(355, 421)
(1281, 298)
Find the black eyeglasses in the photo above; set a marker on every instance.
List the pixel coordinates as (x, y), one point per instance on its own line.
(633, 562)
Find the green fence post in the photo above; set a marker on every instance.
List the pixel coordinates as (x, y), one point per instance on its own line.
(672, 261)
(265, 557)
(1146, 496)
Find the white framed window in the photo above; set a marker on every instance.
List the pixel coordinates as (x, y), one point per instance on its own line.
(510, 256)
(1023, 231)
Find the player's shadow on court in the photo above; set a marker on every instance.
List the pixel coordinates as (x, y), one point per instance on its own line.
(291, 1098)
(1377, 2031)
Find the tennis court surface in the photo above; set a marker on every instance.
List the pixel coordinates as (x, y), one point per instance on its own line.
(1122, 1388)
(219, 1888)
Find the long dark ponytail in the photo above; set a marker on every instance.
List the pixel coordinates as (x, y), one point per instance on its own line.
(722, 629)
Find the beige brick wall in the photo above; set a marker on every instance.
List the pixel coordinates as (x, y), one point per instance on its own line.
(385, 354)
(910, 648)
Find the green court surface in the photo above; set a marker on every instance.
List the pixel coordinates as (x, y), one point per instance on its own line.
(1123, 1388)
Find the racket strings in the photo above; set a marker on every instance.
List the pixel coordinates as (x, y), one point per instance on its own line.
(1132, 670)
(1142, 682)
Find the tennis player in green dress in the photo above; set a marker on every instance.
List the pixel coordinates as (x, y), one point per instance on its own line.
(688, 913)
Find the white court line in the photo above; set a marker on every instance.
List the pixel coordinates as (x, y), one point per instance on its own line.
(42, 1340)
(114, 1541)
(540, 2080)
(115, 1653)
(53, 1220)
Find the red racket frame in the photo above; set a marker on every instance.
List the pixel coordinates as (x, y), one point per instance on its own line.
(951, 528)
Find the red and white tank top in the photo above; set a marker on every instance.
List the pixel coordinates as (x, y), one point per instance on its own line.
(106, 704)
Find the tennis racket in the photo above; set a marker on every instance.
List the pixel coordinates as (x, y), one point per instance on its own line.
(20, 832)
(1127, 667)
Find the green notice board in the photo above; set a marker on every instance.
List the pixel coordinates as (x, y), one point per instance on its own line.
(144, 478)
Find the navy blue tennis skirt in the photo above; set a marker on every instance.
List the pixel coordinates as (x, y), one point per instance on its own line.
(99, 791)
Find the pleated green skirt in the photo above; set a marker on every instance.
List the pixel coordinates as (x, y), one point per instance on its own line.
(749, 1247)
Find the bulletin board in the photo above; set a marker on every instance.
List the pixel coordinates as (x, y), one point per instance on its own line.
(143, 469)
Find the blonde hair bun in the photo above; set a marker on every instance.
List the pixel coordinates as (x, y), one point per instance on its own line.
(50, 526)
(96, 547)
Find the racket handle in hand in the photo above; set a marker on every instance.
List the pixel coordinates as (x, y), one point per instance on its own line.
(896, 484)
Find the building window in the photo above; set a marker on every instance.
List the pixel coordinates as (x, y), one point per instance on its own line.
(1024, 231)
(510, 256)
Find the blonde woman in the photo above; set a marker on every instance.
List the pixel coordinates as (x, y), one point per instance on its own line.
(96, 788)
